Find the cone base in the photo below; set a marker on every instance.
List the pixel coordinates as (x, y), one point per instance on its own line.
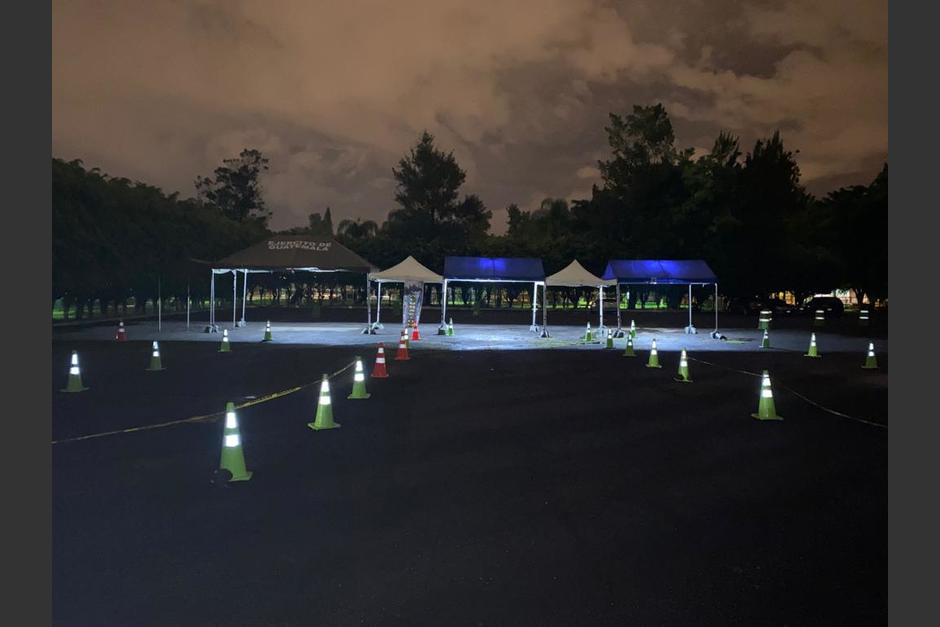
(681, 380)
(653, 366)
(81, 389)
(154, 369)
(267, 340)
(626, 355)
(354, 397)
(813, 356)
(397, 358)
(379, 376)
(316, 427)
(244, 477)
(863, 368)
(759, 417)
(225, 350)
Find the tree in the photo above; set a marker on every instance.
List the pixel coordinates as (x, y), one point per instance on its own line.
(428, 183)
(320, 225)
(236, 187)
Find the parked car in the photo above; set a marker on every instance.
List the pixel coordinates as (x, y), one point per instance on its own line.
(830, 304)
(753, 306)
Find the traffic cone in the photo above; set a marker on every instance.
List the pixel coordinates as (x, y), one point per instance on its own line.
(359, 382)
(813, 351)
(402, 353)
(610, 339)
(763, 322)
(588, 336)
(415, 335)
(863, 317)
(683, 368)
(871, 362)
(819, 320)
(765, 341)
(225, 347)
(654, 357)
(324, 419)
(765, 407)
(75, 376)
(379, 371)
(121, 332)
(404, 337)
(155, 358)
(233, 458)
(450, 328)
(628, 351)
(267, 333)
(633, 329)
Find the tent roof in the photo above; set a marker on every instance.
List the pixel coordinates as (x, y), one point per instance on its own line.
(410, 269)
(299, 252)
(574, 275)
(664, 271)
(493, 269)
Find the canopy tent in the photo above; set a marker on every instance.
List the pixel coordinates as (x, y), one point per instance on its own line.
(663, 272)
(283, 252)
(574, 275)
(493, 270)
(409, 270)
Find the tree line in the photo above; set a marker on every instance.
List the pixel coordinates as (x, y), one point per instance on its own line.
(747, 215)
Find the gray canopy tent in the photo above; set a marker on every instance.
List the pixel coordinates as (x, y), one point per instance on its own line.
(493, 270)
(283, 253)
(409, 270)
(663, 272)
(574, 275)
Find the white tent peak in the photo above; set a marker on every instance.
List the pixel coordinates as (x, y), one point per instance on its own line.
(410, 270)
(574, 275)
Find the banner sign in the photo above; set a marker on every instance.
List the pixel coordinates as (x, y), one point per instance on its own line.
(298, 244)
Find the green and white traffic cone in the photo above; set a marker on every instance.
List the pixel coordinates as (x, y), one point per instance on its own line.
(628, 351)
(683, 374)
(155, 363)
(763, 323)
(268, 337)
(588, 336)
(359, 382)
(871, 362)
(324, 418)
(75, 376)
(610, 339)
(225, 347)
(813, 351)
(765, 407)
(633, 329)
(233, 458)
(819, 320)
(450, 328)
(863, 317)
(654, 357)
(765, 341)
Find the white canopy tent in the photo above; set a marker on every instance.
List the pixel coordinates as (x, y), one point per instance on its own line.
(574, 275)
(409, 270)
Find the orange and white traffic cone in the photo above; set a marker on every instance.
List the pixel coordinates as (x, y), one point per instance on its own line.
(415, 335)
(379, 371)
(402, 353)
(121, 332)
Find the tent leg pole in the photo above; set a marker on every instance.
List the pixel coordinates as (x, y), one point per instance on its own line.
(617, 290)
(600, 309)
(535, 295)
(716, 334)
(244, 294)
(544, 311)
(443, 326)
(211, 327)
(690, 329)
(234, 297)
(368, 330)
(188, 301)
(378, 305)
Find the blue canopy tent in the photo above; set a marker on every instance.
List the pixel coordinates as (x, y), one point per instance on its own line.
(492, 270)
(663, 272)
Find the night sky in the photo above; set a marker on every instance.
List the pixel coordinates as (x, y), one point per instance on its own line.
(334, 93)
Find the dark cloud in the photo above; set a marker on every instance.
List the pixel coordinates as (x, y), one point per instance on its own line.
(336, 94)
